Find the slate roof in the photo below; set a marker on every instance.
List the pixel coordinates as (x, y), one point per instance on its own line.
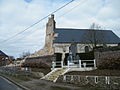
(66, 35)
(2, 53)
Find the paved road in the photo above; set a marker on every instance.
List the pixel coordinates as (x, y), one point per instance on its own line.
(7, 85)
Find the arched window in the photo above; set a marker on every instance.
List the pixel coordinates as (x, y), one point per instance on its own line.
(86, 49)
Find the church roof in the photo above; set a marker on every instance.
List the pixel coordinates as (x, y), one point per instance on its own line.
(2, 53)
(66, 35)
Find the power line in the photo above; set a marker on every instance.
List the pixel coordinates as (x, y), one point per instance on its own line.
(37, 22)
(73, 8)
(66, 12)
(26, 35)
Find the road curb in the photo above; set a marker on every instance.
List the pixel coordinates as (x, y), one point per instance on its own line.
(17, 84)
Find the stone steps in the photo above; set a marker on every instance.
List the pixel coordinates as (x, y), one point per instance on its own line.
(54, 75)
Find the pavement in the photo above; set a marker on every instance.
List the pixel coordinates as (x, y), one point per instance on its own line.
(7, 85)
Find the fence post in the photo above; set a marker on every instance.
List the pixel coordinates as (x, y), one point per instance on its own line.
(62, 64)
(80, 64)
(94, 63)
(84, 64)
(68, 63)
(53, 64)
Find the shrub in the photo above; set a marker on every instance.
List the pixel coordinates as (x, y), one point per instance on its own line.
(110, 63)
(35, 65)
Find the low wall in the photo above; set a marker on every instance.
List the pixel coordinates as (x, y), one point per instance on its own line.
(45, 59)
(105, 82)
(14, 71)
(102, 55)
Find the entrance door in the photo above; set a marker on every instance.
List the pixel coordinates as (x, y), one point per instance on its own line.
(58, 59)
(65, 60)
(58, 56)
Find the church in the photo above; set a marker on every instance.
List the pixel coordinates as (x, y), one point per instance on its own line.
(79, 42)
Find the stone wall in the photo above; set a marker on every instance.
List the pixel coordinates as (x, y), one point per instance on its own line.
(14, 71)
(50, 26)
(102, 54)
(64, 47)
(48, 47)
(44, 59)
(105, 82)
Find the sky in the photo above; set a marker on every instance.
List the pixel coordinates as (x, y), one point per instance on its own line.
(17, 15)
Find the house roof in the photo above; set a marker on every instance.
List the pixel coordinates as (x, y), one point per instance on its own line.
(66, 35)
(2, 53)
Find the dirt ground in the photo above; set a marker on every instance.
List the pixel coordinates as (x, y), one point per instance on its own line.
(96, 72)
(38, 84)
(47, 85)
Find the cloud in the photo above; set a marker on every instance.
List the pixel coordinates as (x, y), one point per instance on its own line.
(28, 1)
(103, 12)
(110, 10)
(16, 15)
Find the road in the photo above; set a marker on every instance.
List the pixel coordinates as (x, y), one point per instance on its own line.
(7, 85)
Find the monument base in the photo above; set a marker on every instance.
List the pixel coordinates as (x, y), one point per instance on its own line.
(71, 63)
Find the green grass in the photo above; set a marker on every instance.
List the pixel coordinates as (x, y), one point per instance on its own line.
(40, 84)
(23, 78)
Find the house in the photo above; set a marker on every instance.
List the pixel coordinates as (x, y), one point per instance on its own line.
(4, 59)
(79, 42)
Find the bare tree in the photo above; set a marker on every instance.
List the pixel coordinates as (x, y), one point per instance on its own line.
(92, 35)
(12, 58)
(25, 54)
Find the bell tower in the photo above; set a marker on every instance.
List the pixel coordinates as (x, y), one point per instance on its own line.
(50, 26)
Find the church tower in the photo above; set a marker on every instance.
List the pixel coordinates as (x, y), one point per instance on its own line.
(50, 26)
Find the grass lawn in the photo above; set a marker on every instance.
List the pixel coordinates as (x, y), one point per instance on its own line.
(18, 78)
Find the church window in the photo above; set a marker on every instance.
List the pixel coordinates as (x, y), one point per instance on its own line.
(86, 49)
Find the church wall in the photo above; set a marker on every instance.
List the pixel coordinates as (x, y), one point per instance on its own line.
(63, 47)
(111, 45)
(60, 48)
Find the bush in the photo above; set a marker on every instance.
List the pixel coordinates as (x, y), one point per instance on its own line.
(35, 65)
(110, 63)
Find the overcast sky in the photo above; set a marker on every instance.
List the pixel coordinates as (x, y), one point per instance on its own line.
(16, 15)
